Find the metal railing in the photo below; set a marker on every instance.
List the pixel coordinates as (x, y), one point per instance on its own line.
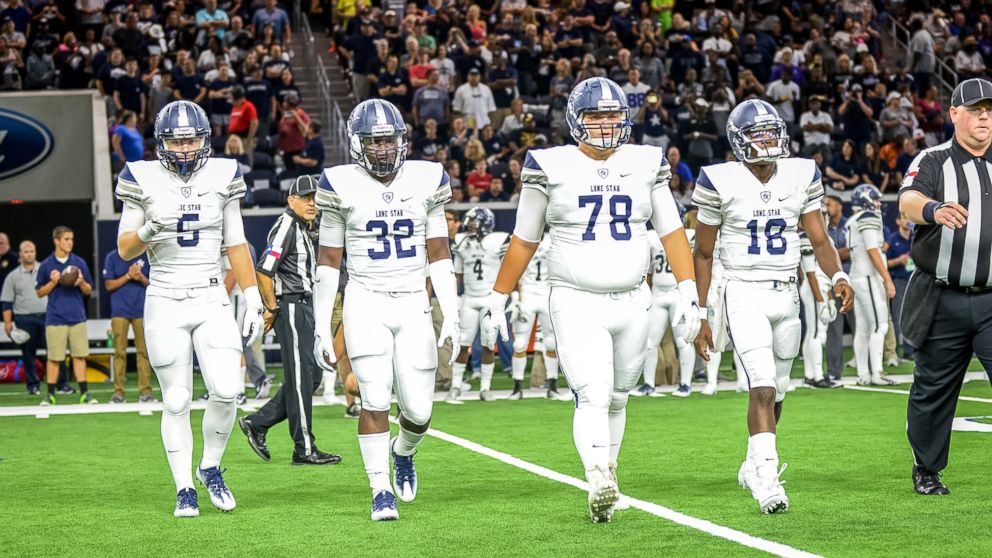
(947, 78)
(335, 134)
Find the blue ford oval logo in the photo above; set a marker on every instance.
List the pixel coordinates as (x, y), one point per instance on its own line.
(24, 143)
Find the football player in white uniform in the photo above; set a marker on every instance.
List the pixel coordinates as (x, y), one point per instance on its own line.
(183, 210)
(872, 283)
(596, 199)
(714, 316)
(819, 311)
(756, 203)
(664, 303)
(389, 216)
(477, 253)
(529, 304)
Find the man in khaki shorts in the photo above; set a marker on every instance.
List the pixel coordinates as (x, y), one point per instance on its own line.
(65, 317)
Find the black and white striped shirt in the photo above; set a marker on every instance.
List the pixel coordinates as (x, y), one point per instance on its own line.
(289, 256)
(948, 173)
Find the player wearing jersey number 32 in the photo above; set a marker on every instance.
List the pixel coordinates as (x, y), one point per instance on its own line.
(756, 204)
(183, 210)
(596, 200)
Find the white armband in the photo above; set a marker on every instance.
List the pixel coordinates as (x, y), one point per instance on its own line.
(331, 229)
(532, 211)
(445, 288)
(325, 288)
(234, 227)
(838, 276)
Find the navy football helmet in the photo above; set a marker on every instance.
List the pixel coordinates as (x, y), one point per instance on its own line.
(598, 95)
(182, 138)
(866, 197)
(377, 137)
(479, 221)
(751, 125)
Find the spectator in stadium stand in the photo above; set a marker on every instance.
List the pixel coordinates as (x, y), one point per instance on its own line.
(189, 84)
(129, 38)
(39, 69)
(129, 92)
(359, 50)
(292, 130)
(220, 100)
(259, 93)
(211, 21)
(474, 100)
(275, 15)
(127, 142)
(496, 193)
(159, 95)
(244, 117)
(126, 282)
(234, 148)
(432, 102)
(479, 180)
(65, 315)
(817, 127)
(515, 120)
(8, 259)
(680, 167)
(922, 59)
(393, 84)
(842, 171)
(503, 84)
(427, 143)
(311, 159)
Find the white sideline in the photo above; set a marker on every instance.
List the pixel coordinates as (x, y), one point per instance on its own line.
(708, 527)
(906, 392)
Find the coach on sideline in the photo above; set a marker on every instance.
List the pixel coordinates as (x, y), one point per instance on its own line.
(285, 281)
(946, 192)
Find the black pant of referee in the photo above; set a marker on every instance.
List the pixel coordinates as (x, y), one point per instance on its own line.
(946, 191)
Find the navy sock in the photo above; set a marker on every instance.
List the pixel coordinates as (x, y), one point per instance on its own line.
(84, 387)
(51, 389)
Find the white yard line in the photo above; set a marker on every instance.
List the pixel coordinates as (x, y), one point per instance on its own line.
(906, 392)
(708, 527)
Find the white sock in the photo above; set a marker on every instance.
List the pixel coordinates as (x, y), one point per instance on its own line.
(876, 347)
(375, 455)
(687, 361)
(761, 448)
(327, 378)
(551, 367)
(218, 420)
(519, 366)
(407, 442)
(618, 424)
(861, 352)
(713, 368)
(177, 437)
(650, 365)
(457, 374)
(591, 432)
(487, 376)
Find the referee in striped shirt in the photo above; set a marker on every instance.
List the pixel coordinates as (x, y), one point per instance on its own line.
(947, 192)
(285, 281)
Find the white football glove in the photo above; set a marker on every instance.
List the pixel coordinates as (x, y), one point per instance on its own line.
(515, 310)
(494, 320)
(254, 323)
(827, 311)
(155, 225)
(450, 331)
(323, 351)
(688, 310)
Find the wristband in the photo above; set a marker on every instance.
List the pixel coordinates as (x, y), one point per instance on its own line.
(838, 276)
(703, 313)
(930, 211)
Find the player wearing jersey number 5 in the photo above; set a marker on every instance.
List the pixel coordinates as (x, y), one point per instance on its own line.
(756, 204)
(596, 200)
(389, 216)
(183, 212)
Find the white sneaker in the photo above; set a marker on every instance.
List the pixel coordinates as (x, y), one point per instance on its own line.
(710, 389)
(892, 362)
(556, 395)
(864, 380)
(487, 396)
(766, 485)
(603, 494)
(476, 375)
(331, 399)
(466, 387)
(882, 380)
(623, 503)
(452, 398)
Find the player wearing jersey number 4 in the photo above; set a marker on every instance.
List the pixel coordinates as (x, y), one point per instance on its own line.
(389, 216)
(596, 200)
(756, 205)
(183, 210)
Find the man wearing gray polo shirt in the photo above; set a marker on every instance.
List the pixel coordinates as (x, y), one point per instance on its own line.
(23, 308)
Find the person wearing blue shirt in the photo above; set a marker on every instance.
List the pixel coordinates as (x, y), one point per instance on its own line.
(897, 253)
(680, 167)
(65, 316)
(835, 331)
(275, 15)
(126, 282)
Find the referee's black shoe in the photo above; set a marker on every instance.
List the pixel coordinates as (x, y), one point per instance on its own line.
(256, 437)
(316, 457)
(928, 483)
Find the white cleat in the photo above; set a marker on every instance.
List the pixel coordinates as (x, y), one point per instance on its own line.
(404, 474)
(516, 396)
(384, 506)
(476, 375)
(186, 505)
(556, 395)
(765, 484)
(603, 494)
(466, 387)
(892, 362)
(710, 389)
(623, 503)
(452, 398)
(882, 380)
(742, 388)
(220, 495)
(487, 396)
(864, 381)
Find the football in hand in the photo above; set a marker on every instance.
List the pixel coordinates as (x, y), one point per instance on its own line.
(69, 276)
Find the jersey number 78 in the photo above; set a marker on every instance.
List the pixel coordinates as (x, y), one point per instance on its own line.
(620, 207)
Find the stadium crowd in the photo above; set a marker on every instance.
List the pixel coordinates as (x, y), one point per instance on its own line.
(481, 82)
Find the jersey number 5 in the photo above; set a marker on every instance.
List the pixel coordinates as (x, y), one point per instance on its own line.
(774, 241)
(402, 230)
(620, 207)
(187, 238)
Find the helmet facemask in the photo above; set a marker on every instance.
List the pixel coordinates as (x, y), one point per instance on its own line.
(605, 128)
(762, 143)
(183, 152)
(381, 154)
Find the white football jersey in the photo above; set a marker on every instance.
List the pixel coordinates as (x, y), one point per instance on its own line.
(535, 277)
(385, 224)
(662, 278)
(864, 232)
(759, 238)
(478, 261)
(597, 213)
(188, 255)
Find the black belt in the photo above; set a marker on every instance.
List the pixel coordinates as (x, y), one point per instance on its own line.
(294, 297)
(968, 290)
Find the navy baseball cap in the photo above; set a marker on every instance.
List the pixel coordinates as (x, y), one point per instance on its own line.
(971, 91)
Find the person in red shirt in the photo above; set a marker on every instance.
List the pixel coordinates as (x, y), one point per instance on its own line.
(479, 180)
(292, 128)
(244, 117)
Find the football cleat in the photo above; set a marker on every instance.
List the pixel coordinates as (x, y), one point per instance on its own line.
(404, 474)
(864, 381)
(487, 396)
(256, 437)
(87, 399)
(353, 411)
(642, 390)
(117, 399)
(48, 400)
(682, 390)
(927, 483)
(452, 398)
(263, 389)
(623, 502)
(186, 504)
(384, 506)
(476, 374)
(316, 457)
(66, 390)
(882, 380)
(220, 495)
(710, 389)
(516, 396)
(556, 395)
(466, 387)
(146, 399)
(765, 484)
(242, 398)
(603, 494)
(892, 362)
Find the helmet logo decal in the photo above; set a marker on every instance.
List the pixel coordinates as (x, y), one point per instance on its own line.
(603, 173)
(765, 196)
(387, 197)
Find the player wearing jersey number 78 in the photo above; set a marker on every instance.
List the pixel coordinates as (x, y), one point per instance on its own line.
(596, 200)
(756, 204)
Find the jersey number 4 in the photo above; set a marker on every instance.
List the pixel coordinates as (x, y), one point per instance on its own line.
(774, 241)
(620, 207)
(402, 230)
